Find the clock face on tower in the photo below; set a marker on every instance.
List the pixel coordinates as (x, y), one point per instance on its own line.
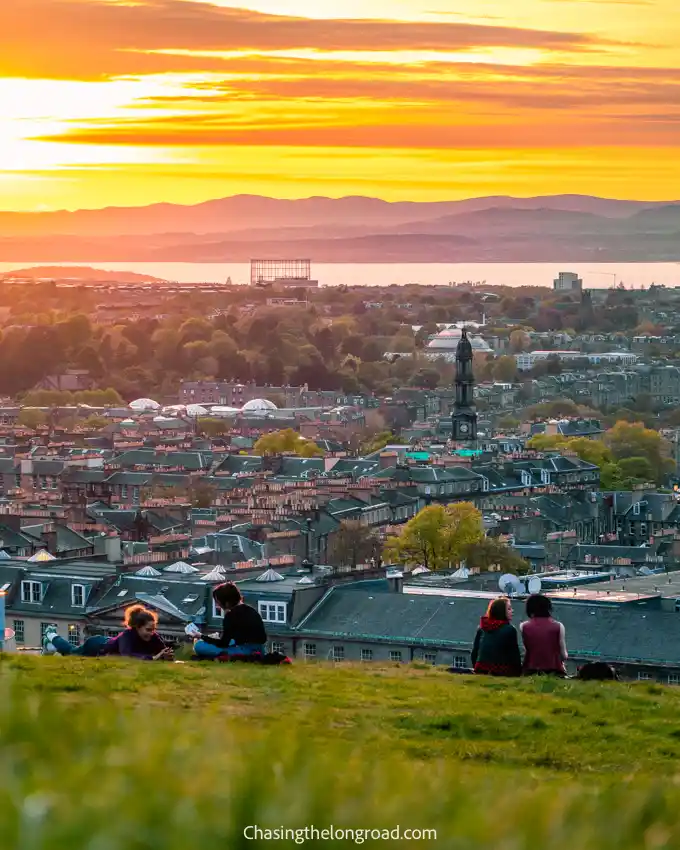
(464, 427)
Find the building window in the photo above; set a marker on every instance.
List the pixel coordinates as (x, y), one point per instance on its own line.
(77, 595)
(18, 627)
(31, 591)
(309, 650)
(395, 655)
(430, 657)
(460, 662)
(674, 678)
(338, 653)
(272, 612)
(277, 646)
(216, 611)
(44, 627)
(367, 655)
(644, 677)
(74, 634)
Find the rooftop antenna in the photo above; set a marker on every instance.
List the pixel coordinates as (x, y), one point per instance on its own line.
(534, 585)
(510, 585)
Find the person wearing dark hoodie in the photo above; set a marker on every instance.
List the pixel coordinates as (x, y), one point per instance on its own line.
(243, 632)
(140, 638)
(496, 648)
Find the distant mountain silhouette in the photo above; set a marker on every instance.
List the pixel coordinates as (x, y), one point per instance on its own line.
(77, 273)
(352, 229)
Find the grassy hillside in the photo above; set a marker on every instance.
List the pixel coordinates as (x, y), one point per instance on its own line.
(110, 755)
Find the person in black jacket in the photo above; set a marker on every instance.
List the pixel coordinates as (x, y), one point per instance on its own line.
(242, 629)
(496, 649)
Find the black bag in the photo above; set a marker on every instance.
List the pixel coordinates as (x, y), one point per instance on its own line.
(597, 671)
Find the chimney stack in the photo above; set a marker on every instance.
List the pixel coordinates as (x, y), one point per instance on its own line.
(395, 582)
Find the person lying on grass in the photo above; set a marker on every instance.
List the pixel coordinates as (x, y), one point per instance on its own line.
(91, 647)
(140, 638)
(243, 631)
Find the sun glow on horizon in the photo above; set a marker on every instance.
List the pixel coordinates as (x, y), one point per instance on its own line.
(183, 100)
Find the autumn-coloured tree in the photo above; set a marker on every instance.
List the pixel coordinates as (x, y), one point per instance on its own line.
(287, 441)
(633, 440)
(505, 369)
(519, 341)
(437, 536)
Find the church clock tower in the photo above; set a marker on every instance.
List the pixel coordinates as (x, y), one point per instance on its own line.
(464, 418)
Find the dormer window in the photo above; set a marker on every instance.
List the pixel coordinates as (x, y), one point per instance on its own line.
(78, 595)
(31, 591)
(272, 612)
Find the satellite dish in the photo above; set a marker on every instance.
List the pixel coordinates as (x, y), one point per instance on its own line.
(534, 585)
(509, 584)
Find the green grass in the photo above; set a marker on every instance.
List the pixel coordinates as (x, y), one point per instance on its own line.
(109, 755)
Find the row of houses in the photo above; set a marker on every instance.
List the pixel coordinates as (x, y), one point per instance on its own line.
(318, 613)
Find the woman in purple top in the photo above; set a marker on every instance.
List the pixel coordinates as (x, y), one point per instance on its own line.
(140, 639)
(544, 639)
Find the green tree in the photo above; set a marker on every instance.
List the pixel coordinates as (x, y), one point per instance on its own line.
(31, 418)
(437, 536)
(95, 423)
(376, 442)
(638, 468)
(489, 552)
(633, 440)
(211, 426)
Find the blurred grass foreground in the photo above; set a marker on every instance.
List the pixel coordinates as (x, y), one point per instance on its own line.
(108, 755)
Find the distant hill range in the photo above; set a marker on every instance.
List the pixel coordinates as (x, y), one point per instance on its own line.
(77, 273)
(352, 229)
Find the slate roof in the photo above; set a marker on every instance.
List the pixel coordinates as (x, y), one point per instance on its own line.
(192, 461)
(235, 464)
(426, 474)
(355, 467)
(623, 633)
(173, 593)
(300, 467)
(10, 539)
(226, 543)
(345, 508)
(635, 553)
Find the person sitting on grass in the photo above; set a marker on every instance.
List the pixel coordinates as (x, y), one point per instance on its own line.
(140, 638)
(91, 648)
(243, 632)
(496, 648)
(544, 639)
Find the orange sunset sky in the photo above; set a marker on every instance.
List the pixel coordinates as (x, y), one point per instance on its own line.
(135, 101)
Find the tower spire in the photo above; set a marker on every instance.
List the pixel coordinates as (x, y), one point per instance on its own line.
(464, 417)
